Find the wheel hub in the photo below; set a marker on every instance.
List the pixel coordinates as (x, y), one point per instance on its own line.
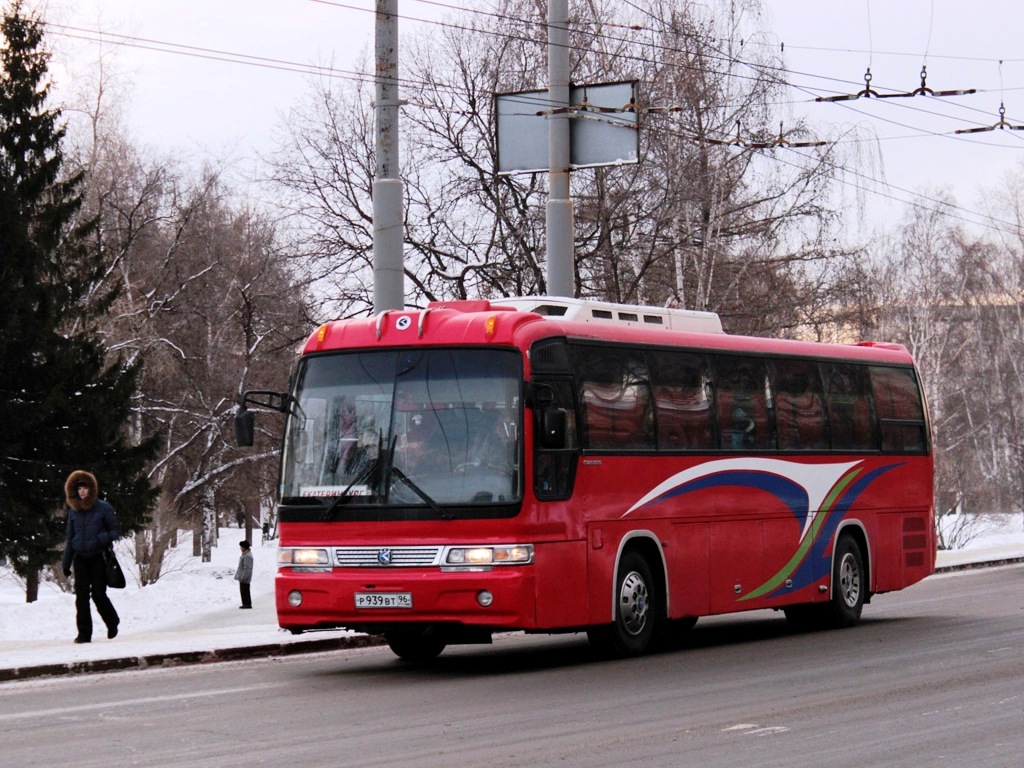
(633, 603)
(849, 580)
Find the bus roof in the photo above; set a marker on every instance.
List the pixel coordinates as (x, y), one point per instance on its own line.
(521, 321)
(605, 312)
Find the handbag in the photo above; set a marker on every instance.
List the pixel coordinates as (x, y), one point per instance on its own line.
(112, 569)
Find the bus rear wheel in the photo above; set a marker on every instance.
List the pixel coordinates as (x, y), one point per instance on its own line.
(417, 645)
(631, 631)
(848, 593)
(849, 584)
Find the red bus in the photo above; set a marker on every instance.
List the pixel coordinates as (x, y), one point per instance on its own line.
(552, 465)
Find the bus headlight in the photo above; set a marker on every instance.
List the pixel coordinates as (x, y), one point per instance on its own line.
(304, 559)
(512, 554)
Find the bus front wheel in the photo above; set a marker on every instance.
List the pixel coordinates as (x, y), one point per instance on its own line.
(631, 631)
(416, 645)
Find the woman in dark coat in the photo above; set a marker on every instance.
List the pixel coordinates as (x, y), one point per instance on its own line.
(92, 527)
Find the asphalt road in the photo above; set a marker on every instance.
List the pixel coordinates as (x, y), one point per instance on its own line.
(933, 676)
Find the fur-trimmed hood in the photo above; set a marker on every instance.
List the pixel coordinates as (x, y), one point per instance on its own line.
(71, 489)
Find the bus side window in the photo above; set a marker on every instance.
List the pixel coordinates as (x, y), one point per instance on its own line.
(679, 382)
(616, 398)
(741, 397)
(799, 406)
(850, 414)
(900, 410)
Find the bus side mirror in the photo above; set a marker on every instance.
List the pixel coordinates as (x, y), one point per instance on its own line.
(553, 427)
(245, 426)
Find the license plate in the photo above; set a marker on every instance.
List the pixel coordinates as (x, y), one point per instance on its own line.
(383, 600)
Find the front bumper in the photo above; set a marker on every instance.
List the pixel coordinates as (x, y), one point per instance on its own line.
(438, 597)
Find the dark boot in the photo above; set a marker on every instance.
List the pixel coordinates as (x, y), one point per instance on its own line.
(83, 617)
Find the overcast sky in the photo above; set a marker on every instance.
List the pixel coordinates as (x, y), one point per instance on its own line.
(962, 44)
(200, 104)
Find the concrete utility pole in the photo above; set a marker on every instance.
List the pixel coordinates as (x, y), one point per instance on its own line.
(388, 234)
(559, 215)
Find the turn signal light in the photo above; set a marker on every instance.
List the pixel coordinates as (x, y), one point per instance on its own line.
(321, 334)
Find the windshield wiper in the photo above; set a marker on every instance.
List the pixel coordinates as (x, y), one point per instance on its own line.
(385, 461)
(362, 477)
(444, 513)
(344, 497)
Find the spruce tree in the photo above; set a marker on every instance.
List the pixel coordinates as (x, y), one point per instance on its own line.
(64, 403)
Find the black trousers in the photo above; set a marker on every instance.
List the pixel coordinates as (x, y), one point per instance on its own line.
(91, 582)
(243, 588)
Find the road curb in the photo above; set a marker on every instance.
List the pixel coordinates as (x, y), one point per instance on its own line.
(157, 660)
(181, 658)
(983, 564)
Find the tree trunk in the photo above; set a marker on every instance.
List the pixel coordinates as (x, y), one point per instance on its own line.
(249, 517)
(32, 586)
(209, 525)
(197, 535)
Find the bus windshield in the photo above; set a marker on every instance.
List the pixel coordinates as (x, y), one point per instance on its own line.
(432, 428)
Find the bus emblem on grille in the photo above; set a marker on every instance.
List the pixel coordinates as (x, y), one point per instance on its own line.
(384, 557)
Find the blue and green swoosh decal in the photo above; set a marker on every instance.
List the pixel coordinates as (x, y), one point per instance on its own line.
(818, 496)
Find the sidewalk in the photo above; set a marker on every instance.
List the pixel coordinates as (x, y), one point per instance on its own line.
(226, 635)
(190, 615)
(981, 557)
(230, 634)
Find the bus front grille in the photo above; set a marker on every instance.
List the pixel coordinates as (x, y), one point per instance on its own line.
(386, 557)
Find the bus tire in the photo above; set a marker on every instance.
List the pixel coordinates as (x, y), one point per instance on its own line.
(849, 584)
(416, 645)
(848, 593)
(632, 628)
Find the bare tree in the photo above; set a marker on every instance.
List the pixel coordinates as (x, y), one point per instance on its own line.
(322, 175)
(1005, 273)
(207, 303)
(935, 293)
(715, 220)
(220, 318)
(695, 223)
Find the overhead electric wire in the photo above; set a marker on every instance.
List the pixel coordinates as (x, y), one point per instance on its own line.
(764, 69)
(289, 66)
(942, 207)
(720, 57)
(232, 57)
(364, 77)
(162, 46)
(728, 58)
(745, 41)
(946, 57)
(199, 52)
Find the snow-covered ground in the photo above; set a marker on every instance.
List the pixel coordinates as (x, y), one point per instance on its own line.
(991, 538)
(194, 605)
